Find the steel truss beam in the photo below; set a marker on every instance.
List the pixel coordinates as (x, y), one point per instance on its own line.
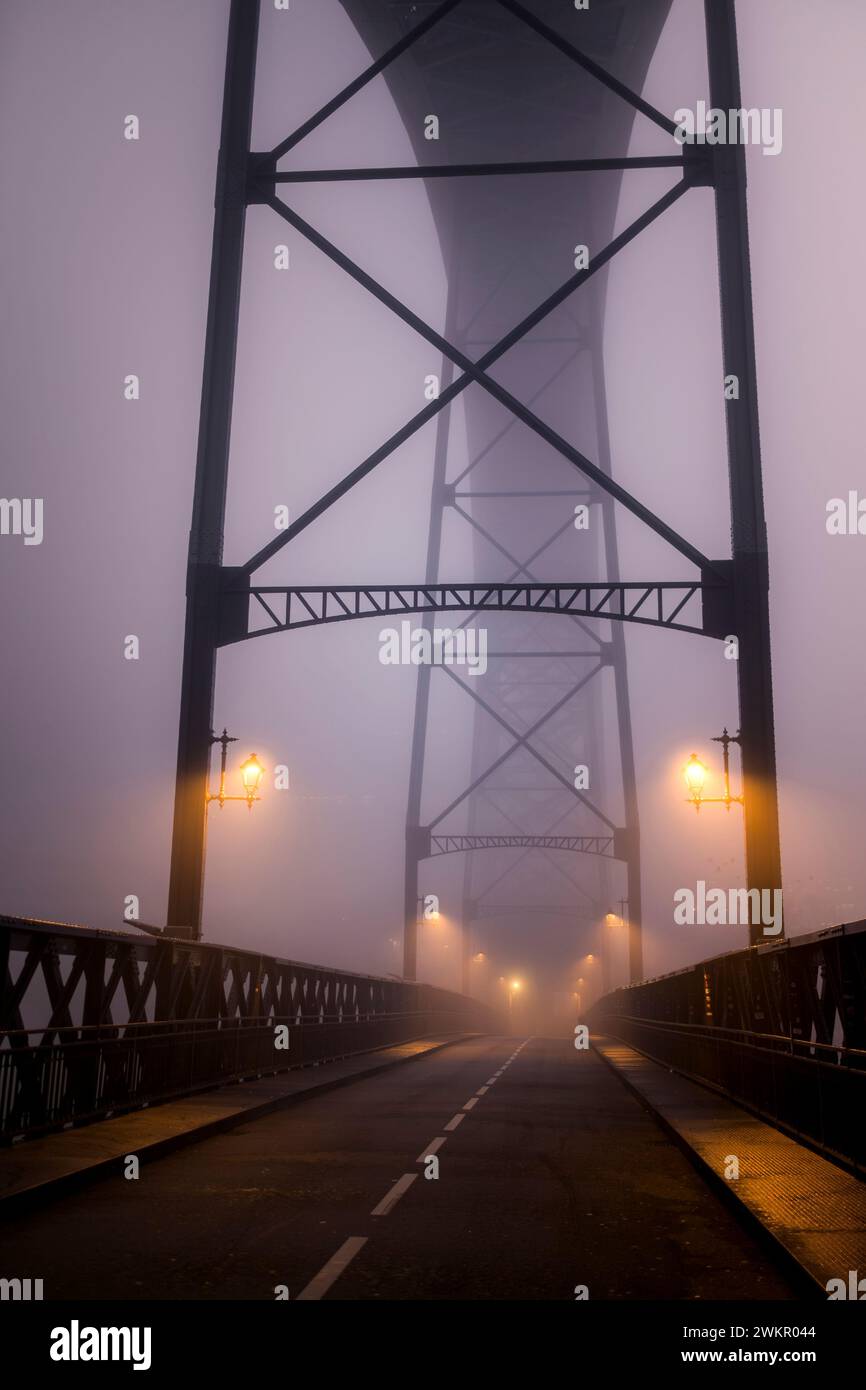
(653, 604)
(575, 844)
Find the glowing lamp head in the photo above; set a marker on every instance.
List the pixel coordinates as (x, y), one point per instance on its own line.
(695, 774)
(515, 984)
(252, 773)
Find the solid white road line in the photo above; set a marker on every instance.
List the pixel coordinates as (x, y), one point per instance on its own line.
(330, 1272)
(454, 1121)
(432, 1148)
(469, 1104)
(392, 1198)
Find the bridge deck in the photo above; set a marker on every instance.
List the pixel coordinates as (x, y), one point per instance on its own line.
(555, 1177)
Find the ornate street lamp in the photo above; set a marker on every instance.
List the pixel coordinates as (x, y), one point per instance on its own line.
(251, 772)
(695, 774)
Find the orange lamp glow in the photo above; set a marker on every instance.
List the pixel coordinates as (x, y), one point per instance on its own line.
(695, 774)
(252, 773)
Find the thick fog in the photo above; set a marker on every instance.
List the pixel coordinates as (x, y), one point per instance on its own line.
(105, 274)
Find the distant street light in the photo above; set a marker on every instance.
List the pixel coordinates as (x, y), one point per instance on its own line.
(514, 987)
(695, 773)
(251, 773)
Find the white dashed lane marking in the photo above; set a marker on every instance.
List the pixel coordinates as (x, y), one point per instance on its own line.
(432, 1148)
(330, 1272)
(392, 1198)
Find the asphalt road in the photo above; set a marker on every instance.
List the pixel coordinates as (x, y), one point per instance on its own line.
(553, 1177)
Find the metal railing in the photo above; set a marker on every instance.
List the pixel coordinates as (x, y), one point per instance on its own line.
(780, 1029)
(82, 1063)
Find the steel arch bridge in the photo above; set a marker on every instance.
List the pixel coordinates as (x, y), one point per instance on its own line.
(498, 76)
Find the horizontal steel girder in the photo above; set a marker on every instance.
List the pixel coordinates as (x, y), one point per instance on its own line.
(680, 606)
(577, 844)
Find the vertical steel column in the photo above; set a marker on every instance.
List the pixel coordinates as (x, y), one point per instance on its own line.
(749, 537)
(206, 532)
(631, 839)
(416, 838)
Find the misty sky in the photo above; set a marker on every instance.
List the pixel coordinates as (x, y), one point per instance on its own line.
(105, 272)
